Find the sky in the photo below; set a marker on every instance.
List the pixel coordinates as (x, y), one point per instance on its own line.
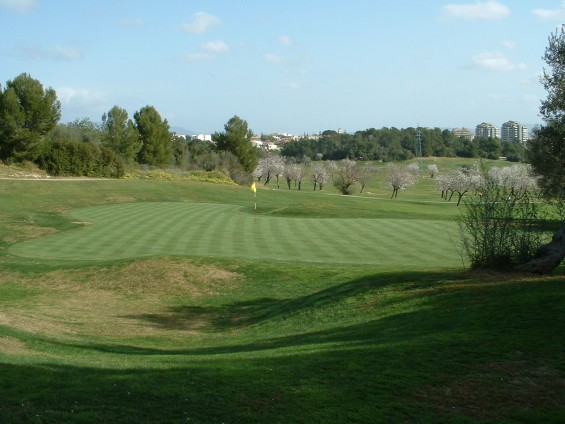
(294, 66)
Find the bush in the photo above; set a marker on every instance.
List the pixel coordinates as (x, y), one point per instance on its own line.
(500, 225)
(69, 158)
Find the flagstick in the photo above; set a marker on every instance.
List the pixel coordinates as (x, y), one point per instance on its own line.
(255, 210)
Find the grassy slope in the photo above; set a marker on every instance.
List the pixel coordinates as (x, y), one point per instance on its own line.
(219, 340)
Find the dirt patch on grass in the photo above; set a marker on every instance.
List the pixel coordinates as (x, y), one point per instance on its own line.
(12, 346)
(102, 301)
(147, 277)
(164, 277)
(24, 232)
(498, 389)
(121, 199)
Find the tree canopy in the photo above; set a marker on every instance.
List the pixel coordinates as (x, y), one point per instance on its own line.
(393, 144)
(156, 139)
(236, 139)
(27, 113)
(120, 134)
(547, 149)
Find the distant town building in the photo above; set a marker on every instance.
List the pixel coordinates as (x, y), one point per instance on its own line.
(514, 131)
(256, 141)
(179, 135)
(485, 129)
(202, 137)
(462, 132)
(271, 146)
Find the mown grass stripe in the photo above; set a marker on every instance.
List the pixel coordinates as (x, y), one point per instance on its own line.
(136, 230)
(315, 235)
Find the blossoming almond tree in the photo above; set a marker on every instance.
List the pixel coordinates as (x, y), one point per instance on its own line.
(399, 178)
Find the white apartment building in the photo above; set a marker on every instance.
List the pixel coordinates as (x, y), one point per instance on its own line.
(514, 131)
(486, 129)
(462, 132)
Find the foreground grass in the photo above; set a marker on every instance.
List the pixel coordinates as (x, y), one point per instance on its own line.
(200, 338)
(172, 339)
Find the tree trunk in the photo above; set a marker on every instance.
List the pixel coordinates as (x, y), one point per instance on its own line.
(548, 257)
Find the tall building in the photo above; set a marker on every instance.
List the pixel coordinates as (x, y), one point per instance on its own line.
(462, 132)
(487, 130)
(514, 131)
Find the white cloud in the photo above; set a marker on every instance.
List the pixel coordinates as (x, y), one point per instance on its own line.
(495, 61)
(79, 97)
(201, 22)
(285, 40)
(35, 52)
(217, 46)
(490, 9)
(550, 14)
(66, 53)
(19, 6)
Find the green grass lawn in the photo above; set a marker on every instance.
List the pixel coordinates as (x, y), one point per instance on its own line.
(134, 230)
(154, 301)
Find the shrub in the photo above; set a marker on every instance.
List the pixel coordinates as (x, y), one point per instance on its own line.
(500, 223)
(71, 158)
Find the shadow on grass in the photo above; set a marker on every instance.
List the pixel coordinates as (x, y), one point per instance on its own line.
(316, 388)
(469, 352)
(246, 313)
(418, 307)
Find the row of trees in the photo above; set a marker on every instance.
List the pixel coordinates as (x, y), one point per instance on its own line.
(344, 173)
(392, 144)
(30, 131)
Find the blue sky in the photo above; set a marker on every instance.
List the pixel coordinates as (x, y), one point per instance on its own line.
(286, 65)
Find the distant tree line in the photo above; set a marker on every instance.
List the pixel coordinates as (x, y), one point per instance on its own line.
(392, 144)
(30, 131)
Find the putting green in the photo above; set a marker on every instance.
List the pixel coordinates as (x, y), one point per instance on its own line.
(199, 229)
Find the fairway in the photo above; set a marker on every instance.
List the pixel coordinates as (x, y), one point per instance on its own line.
(134, 230)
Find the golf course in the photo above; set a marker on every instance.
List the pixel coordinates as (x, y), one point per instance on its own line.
(157, 301)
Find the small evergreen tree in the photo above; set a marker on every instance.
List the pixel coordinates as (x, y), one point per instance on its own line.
(236, 139)
(156, 139)
(27, 113)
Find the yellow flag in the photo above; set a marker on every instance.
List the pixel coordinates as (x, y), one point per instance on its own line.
(253, 188)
